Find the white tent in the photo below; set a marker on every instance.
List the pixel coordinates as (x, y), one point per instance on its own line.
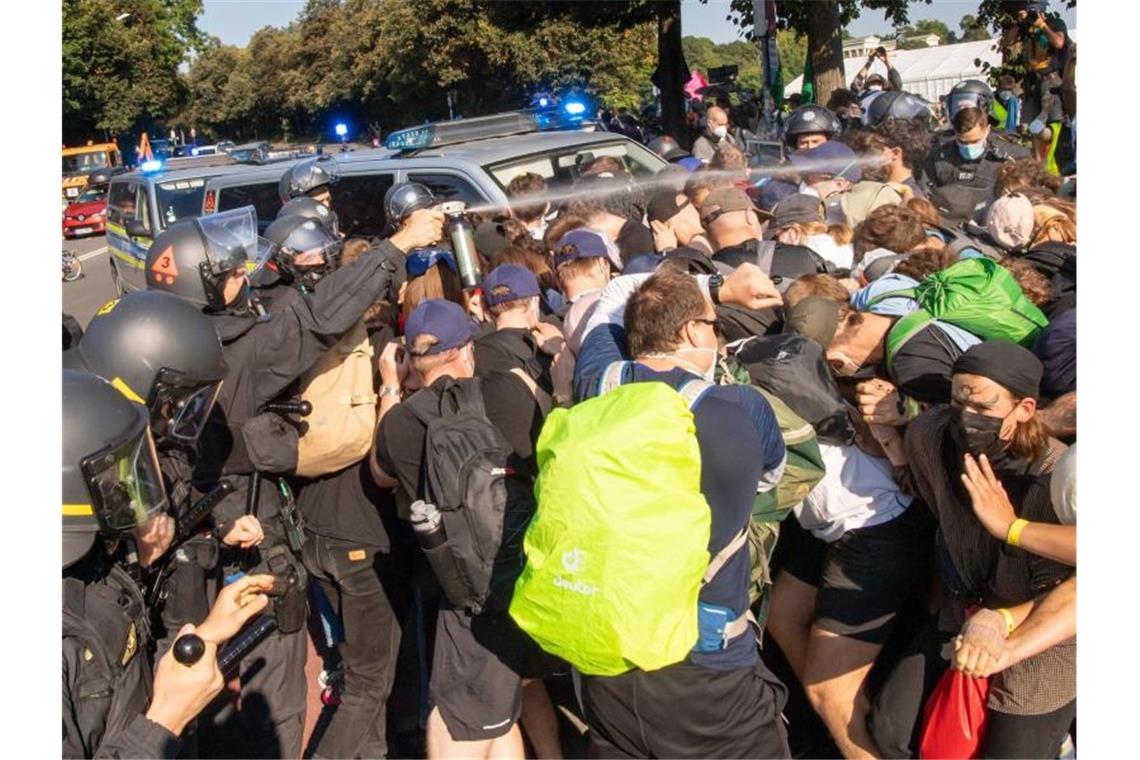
(929, 72)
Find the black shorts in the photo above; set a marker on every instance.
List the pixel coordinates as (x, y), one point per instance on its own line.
(869, 573)
(477, 671)
(799, 553)
(686, 711)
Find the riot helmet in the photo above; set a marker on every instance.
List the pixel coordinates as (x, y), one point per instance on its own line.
(159, 351)
(194, 258)
(970, 93)
(668, 148)
(303, 249)
(402, 199)
(307, 176)
(312, 209)
(111, 479)
(897, 105)
(810, 119)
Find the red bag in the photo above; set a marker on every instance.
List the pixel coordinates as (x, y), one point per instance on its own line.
(955, 719)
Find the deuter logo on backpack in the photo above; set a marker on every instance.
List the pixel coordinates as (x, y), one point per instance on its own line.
(574, 562)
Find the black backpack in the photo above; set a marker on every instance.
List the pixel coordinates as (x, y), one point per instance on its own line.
(484, 493)
(795, 370)
(1058, 262)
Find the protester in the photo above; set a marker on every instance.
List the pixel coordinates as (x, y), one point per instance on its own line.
(532, 214)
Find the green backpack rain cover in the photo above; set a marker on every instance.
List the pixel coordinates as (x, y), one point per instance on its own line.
(977, 295)
(618, 546)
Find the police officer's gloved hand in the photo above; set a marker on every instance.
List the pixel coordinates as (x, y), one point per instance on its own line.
(422, 228)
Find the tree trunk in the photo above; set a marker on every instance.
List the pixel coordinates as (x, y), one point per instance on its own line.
(671, 70)
(825, 41)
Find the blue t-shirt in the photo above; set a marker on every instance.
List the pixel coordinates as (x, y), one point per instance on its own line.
(742, 453)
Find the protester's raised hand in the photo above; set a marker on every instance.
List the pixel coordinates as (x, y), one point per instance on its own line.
(549, 337)
(236, 604)
(664, 239)
(878, 402)
(749, 287)
(422, 228)
(988, 497)
(394, 365)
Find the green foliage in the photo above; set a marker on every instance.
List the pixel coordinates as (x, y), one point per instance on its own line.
(923, 28)
(391, 63)
(120, 74)
(973, 29)
(704, 54)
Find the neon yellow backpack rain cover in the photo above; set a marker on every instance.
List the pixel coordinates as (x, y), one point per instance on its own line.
(619, 543)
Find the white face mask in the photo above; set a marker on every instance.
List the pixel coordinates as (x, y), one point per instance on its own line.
(709, 373)
(807, 189)
(875, 88)
(720, 132)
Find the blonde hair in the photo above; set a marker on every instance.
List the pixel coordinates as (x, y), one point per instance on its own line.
(437, 282)
(1054, 219)
(840, 233)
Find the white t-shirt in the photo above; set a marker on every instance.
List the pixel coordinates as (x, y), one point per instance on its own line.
(857, 491)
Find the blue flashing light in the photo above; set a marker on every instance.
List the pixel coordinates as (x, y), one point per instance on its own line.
(416, 138)
(341, 129)
(148, 167)
(574, 107)
(543, 102)
(193, 151)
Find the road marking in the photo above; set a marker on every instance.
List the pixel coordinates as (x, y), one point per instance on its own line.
(93, 254)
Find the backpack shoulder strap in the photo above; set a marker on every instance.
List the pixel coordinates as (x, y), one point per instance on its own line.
(905, 329)
(424, 404)
(462, 397)
(738, 542)
(694, 390)
(541, 397)
(612, 377)
(765, 253)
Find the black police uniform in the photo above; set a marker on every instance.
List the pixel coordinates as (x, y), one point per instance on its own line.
(107, 669)
(959, 184)
(263, 359)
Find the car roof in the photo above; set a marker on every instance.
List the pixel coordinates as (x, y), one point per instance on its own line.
(491, 150)
(207, 172)
(254, 144)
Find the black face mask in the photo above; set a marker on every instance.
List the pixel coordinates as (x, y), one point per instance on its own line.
(977, 433)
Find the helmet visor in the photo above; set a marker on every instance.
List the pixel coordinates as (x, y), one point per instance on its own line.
(959, 100)
(231, 238)
(126, 483)
(180, 407)
(265, 251)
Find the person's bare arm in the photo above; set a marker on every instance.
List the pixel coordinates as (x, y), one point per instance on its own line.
(1060, 417)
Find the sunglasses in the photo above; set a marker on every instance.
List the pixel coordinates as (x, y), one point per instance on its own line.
(713, 323)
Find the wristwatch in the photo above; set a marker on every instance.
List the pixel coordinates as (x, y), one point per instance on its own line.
(715, 281)
(387, 390)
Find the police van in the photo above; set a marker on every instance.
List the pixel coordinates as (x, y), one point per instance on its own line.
(470, 160)
(143, 203)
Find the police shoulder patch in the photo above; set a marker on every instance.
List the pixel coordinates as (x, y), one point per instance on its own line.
(131, 646)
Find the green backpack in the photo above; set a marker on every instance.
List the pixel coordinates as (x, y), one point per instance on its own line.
(976, 295)
(617, 551)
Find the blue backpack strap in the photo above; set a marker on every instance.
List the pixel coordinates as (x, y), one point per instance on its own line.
(613, 377)
(694, 390)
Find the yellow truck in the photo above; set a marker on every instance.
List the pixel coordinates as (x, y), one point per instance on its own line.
(78, 163)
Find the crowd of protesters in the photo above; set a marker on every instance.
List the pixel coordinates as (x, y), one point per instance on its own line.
(873, 350)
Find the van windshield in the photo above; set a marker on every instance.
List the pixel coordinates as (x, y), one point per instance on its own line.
(179, 199)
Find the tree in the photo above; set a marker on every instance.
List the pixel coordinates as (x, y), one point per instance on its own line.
(973, 30)
(821, 21)
(922, 29)
(122, 74)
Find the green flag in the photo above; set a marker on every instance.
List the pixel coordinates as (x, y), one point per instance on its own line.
(808, 89)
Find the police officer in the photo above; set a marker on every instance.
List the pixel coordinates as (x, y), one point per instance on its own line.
(312, 177)
(668, 148)
(962, 168)
(402, 199)
(809, 126)
(896, 104)
(312, 209)
(161, 352)
(305, 250)
(265, 353)
(112, 487)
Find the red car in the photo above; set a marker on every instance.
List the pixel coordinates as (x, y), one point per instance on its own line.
(85, 214)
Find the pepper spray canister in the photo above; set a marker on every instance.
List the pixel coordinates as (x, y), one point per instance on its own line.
(463, 245)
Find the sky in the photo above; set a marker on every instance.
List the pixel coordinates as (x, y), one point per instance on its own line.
(235, 21)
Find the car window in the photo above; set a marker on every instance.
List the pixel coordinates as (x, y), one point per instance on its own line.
(263, 197)
(560, 167)
(359, 204)
(448, 187)
(122, 202)
(179, 199)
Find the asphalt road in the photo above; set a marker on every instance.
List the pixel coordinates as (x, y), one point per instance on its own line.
(84, 296)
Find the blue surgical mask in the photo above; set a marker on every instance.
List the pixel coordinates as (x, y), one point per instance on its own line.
(973, 151)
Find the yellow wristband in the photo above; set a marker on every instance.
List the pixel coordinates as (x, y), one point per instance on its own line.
(1009, 621)
(1013, 537)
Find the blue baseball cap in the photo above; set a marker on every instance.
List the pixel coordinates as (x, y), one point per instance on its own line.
(443, 320)
(508, 282)
(586, 244)
(832, 158)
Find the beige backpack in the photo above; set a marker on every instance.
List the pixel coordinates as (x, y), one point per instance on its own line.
(343, 420)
